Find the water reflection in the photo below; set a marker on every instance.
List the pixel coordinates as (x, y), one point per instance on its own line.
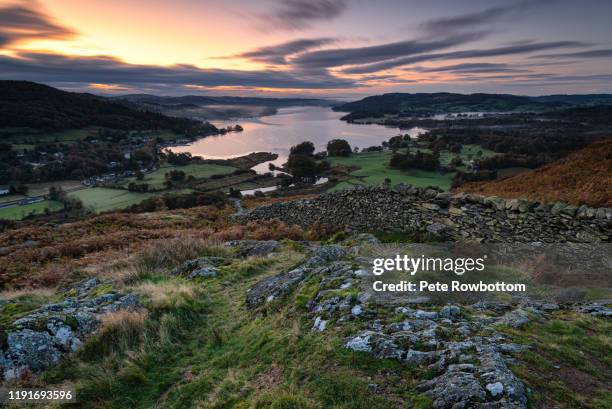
(290, 126)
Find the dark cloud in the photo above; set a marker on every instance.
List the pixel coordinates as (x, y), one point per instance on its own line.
(382, 52)
(475, 53)
(18, 22)
(300, 14)
(469, 68)
(450, 25)
(563, 80)
(604, 53)
(54, 68)
(277, 54)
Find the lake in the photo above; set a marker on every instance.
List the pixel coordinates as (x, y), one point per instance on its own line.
(279, 132)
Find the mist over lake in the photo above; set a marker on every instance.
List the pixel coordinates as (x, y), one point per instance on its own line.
(290, 126)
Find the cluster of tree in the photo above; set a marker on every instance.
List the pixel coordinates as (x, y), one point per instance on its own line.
(77, 161)
(138, 187)
(178, 159)
(462, 177)
(396, 142)
(303, 164)
(417, 160)
(175, 175)
(59, 195)
(180, 201)
(519, 141)
(338, 147)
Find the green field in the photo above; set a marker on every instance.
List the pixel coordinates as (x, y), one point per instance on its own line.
(468, 152)
(156, 179)
(101, 199)
(19, 212)
(374, 169)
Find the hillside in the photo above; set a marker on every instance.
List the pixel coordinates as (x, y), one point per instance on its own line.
(186, 308)
(583, 177)
(442, 102)
(421, 104)
(576, 99)
(31, 105)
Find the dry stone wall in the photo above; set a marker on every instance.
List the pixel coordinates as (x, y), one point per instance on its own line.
(455, 217)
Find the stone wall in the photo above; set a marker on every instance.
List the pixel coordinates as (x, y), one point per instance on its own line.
(455, 217)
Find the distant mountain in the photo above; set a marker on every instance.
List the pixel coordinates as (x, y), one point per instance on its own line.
(582, 177)
(200, 100)
(576, 100)
(443, 102)
(37, 106)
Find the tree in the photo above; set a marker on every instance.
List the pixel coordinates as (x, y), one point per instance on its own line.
(19, 189)
(338, 147)
(418, 160)
(301, 166)
(236, 193)
(456, 161)
(175, 175)
(305, 149)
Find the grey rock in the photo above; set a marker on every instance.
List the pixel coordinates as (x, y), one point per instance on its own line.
(205, 272)
(361, 273)
(515, 319)
(360, 342)
(450, 311)
(274, 287)
(429, 315)
(437, 229)
(319, 324)
(325, 255)
(495, 389)
(248, 248)
(202, 263)
(30, 349)
(453, 387)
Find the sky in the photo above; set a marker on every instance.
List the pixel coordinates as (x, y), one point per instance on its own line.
(324, 48)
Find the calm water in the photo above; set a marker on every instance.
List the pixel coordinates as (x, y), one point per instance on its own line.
(290, 126)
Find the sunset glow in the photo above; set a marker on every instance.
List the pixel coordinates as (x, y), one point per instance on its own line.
(339, 48)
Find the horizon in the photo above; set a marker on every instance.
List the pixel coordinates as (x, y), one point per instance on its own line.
(329, 49)
(326, 98)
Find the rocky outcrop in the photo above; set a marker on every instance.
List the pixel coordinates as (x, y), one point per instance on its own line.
(276, 286)
(248, 248)
(41, 338)
(460, 346)
(459, 217)
(203, 267)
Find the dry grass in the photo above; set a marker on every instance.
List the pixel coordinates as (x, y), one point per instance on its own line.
(118, 332)
(26, 292)
(123, 320)
(168, 294)
(583, 177)
(250, 202)
(52, 256)
(159, 255)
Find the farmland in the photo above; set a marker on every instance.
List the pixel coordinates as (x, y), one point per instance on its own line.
(156, 179)
(372, 168)
(19, 212)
